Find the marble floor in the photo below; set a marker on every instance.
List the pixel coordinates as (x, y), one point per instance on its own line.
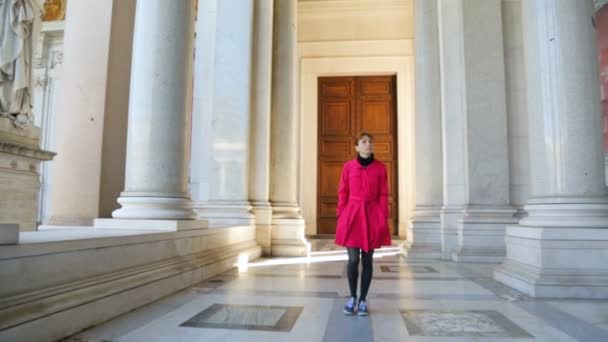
(301, 300)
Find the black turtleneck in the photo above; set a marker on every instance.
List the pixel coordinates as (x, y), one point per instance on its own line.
(365, 161)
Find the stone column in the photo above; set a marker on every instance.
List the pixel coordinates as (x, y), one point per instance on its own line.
(287, 225)
(476, 168)
(156, 181)
(516, 104)
(559, 249)
(259, 176)
(424, 233)
(221, 116)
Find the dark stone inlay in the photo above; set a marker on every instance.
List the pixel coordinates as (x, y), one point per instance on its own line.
(564, 321)
(468, 323)
(408, 268)
(285, 322)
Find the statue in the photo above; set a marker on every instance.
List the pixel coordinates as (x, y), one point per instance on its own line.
(16, 25)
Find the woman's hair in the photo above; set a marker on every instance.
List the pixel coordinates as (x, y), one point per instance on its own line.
(363, 135)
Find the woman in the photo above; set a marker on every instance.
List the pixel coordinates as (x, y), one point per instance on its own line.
(362, 217)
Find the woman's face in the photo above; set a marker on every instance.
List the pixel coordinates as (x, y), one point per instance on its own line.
(365, 146)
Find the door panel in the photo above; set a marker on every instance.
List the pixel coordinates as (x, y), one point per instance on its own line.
(348, 106)
(337, 117)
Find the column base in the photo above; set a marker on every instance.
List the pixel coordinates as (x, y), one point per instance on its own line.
(159, 225)
(481, 234)
(263, 223)
(420, 251)
(548, 262)
(424, 235)
(225, 214)
(285, 211)
(567, 212)
(154, 208)
(450, 217)
(479, 255)
(288, 238)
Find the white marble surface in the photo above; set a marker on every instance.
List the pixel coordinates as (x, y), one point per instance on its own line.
(592, 312)
(67, 255)
(466, 303)
(556, 262)
(315, 313)
(48, 290)
(160, 225)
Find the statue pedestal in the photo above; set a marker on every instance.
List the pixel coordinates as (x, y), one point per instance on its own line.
(20, 159)
(9, 234)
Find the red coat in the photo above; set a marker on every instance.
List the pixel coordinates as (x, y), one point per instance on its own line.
(363, 206)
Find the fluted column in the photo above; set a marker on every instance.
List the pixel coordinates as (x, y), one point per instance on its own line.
(558, 250)
(424, 233)
(156, 182)
(288, 226)
(259, 177)
(474, 123)
(221, 114)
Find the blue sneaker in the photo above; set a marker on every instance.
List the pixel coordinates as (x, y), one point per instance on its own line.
(349, 308)
(362, 310)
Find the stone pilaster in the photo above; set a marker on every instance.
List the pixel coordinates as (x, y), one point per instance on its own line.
(424, 233)
(259, 177)
(78, 124)
(287, 224)
(221, 115)
(475, 153)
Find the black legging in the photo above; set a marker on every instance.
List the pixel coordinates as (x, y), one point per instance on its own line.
(353, 271)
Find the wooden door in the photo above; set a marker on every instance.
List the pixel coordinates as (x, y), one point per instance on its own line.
(348, 106)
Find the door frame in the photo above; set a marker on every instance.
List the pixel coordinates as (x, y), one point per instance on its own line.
(311, 70)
